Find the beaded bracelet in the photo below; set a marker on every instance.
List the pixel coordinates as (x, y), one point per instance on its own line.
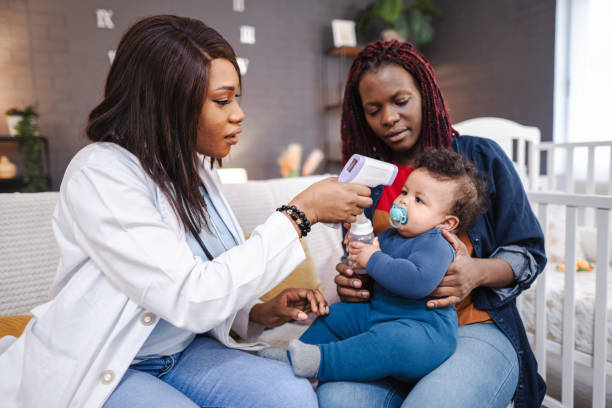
(298, 217)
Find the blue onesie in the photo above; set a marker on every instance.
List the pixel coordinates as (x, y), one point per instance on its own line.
(394, 334)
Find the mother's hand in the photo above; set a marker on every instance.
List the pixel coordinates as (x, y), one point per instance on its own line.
(330, 201)
(348, 287)
(460, 279)
(290, 304)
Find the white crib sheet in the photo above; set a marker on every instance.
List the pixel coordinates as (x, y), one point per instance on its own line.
(585, 298)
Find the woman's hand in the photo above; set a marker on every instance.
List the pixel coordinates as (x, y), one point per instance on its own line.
(349, 288)
(461, 277)
(331, 201)
(290, 304)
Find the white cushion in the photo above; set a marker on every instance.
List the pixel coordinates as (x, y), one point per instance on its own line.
(28, 253)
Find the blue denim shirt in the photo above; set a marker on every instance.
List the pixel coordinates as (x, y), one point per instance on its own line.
(508, 230)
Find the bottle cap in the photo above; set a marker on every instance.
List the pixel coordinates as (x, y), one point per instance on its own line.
(362, 226)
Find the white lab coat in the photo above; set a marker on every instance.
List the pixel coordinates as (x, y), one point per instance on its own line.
(124, 264)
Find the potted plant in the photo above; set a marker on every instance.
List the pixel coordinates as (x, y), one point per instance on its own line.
(15, 115)
(26, 133)
(405, 20)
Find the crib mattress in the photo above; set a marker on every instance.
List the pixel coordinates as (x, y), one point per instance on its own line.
(585, 301)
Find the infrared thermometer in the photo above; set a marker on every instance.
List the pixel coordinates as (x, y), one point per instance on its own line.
(365, 170)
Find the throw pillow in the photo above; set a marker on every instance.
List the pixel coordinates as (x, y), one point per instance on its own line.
(304, 276)
(13, 325)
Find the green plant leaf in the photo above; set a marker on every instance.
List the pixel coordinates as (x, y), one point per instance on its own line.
(31, 145)
(27, 111)
(420, 27)
(427, 6)
(402, 26)
(389, 10)
(365, 18)
(413, 19)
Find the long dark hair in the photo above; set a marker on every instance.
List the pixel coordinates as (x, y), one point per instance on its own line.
(357, 136)
(153, 102)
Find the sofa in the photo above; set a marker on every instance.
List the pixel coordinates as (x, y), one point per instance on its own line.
(29, 256)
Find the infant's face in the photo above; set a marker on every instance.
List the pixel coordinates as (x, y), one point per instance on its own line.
(427, 201)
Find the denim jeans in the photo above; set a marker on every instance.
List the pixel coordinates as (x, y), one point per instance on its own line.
(391, 337)
(208, 374)
(483, 372)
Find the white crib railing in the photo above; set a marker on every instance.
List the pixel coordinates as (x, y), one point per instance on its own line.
(552, 150)
(523, 145)
(602, 206)
(570, 181)
(518, 141)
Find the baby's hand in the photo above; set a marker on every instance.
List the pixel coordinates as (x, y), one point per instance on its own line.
(360, 253)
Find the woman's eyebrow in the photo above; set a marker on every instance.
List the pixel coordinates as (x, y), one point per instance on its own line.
(225, 88)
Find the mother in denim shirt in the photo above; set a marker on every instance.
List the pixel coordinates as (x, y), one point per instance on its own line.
(393, 110)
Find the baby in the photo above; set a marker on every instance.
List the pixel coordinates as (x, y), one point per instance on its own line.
(395, 334)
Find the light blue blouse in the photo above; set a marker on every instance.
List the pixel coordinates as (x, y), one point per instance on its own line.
(167, 339)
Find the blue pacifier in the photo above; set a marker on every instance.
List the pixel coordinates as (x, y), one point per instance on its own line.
(397, 216)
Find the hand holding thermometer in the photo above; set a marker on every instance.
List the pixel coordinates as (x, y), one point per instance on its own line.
(365, 170)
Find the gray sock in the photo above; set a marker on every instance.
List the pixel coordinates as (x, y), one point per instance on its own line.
(305, 358)
(274, 353)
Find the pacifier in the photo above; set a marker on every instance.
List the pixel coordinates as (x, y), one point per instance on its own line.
(397, 216)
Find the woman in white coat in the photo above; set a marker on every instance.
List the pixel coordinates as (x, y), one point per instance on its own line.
(154, 270)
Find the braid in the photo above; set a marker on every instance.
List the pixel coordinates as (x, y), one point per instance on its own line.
(357, 137)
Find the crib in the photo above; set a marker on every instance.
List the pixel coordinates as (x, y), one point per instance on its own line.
(574, 211)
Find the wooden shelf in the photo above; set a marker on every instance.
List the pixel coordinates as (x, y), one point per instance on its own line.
(12, 185)
(348, 51)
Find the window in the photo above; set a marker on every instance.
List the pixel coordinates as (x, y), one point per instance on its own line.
(583, 79)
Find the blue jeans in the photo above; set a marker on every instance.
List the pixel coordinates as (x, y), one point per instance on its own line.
(367, 341)
(483, 372)
(208, 374)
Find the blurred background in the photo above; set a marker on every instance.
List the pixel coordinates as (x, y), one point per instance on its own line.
(492, 58)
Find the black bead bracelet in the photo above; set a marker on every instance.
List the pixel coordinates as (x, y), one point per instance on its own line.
(297, 216)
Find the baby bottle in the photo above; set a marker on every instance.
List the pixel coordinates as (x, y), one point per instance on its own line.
(361, 230)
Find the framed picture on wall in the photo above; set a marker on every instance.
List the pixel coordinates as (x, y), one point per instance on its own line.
(344, 34)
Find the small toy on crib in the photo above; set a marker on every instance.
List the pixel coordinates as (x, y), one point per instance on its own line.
(582, 265)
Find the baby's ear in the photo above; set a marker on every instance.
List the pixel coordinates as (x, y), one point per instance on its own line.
(450, 223)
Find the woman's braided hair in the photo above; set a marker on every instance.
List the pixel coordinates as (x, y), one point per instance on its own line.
(357, 137)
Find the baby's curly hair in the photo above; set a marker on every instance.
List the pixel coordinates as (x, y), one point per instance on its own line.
(471, 194)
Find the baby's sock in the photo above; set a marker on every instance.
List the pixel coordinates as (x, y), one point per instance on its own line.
(305, 358)
(274, 353)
